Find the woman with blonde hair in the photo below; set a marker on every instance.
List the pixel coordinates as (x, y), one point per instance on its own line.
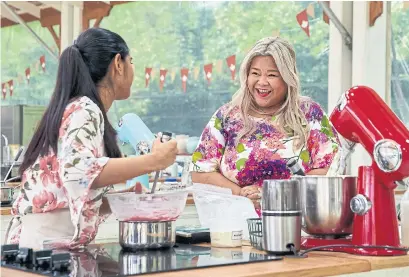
(268, 122)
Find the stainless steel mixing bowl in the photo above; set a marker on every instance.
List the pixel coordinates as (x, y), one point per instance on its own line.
(325, 205)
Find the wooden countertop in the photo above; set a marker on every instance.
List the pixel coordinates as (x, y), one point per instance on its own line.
(317, 264)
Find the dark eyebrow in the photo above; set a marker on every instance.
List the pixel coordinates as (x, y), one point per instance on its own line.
(272, 70)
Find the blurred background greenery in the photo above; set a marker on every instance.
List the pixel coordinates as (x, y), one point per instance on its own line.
(173, 35)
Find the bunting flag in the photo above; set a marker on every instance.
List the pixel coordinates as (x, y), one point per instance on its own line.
(311, 10)
(208, 72)
(42, 62)
(183, 75)
(148, 71)
(324, 15)
(162, 78)
(3, 90)
(231, 63)
(27, 75)
(11, 87)
(217, 65)
(302, 19)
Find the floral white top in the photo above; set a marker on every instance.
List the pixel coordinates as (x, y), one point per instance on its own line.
(264, 153)
(63, 180)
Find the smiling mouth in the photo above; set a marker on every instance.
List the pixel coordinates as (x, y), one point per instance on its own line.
(263, 92)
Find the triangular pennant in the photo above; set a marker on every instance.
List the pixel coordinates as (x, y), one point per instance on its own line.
(311, 10)
(148, 71)
(302, 19)
(3, 90)
(231, 64)
(42, 62)
(208, 72)
(324, 15)
(162, 78)
(28, 74)
(183, 75)
(11, 87)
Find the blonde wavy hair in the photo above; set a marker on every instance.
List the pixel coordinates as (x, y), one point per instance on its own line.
(290, 117)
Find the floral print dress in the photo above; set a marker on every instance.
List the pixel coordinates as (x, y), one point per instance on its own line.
(63, 180)
(264, 153)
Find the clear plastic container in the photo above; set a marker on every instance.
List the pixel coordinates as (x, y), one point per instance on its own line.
(222, 212)
(220, 238)
(157, 207)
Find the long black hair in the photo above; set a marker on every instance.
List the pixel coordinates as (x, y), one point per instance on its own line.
(81, 67)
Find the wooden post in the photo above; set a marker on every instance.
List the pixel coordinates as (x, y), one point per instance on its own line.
(375, 11)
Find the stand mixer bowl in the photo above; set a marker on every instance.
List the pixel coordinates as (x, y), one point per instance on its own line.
(325, 205)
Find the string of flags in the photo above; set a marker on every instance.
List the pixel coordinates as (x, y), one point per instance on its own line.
(20, 79)
(302, 18)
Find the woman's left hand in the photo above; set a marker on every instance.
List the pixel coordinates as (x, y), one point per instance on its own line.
(253, 193)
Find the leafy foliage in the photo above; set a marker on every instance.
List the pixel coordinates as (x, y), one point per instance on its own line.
(173, 35)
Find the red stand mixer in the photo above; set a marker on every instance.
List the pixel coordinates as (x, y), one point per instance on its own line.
(361, 116)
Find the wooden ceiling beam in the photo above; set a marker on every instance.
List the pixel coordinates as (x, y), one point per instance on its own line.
(25, 16)
(5, 14)
(50, 17)
(50, 12)
(96, 9)
(54, 4)
(26, 7)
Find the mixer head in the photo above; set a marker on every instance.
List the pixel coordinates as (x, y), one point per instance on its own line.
(361, 116)
(132, 130)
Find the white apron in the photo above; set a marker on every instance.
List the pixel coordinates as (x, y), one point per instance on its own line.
(41, 229)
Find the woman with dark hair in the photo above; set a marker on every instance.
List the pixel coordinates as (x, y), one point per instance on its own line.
(73, 157)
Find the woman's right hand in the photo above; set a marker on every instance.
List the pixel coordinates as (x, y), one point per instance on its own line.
(164, 152)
